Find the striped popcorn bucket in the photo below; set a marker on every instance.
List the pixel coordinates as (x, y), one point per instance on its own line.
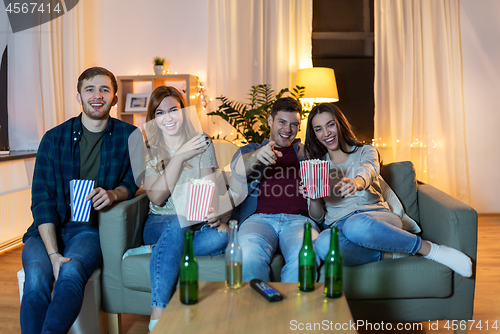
(315, 175)
(78, 190)
(199, 199)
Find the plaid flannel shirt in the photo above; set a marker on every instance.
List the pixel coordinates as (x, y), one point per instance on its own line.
(58, 162)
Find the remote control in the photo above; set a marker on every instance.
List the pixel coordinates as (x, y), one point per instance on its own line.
(265, 290)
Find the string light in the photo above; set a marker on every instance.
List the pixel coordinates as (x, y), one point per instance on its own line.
(202, 92)
(416, 143)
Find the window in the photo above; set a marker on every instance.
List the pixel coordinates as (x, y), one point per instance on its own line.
(343, 39)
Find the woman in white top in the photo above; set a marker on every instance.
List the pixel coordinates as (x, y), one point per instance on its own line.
(368, 231)
(176, 152)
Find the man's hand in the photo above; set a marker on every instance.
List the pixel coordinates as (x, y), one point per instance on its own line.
(267, 155)
(101, 198)
(57, 260)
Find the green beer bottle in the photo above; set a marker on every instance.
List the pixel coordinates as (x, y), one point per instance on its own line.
(234, 258)
(333, 267)
(188, 273)
(307, 261)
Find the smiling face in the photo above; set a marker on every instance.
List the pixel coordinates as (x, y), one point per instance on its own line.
(97, 97)
(326, 130)
(168, 117)
(284, 127)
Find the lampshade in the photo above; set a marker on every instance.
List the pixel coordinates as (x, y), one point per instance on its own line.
(320, 84)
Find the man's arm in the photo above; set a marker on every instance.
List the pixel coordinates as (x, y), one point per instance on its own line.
(265, 155)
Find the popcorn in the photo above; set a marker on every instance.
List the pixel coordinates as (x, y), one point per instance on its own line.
(78, 190)
(199, 199)
(315, 175)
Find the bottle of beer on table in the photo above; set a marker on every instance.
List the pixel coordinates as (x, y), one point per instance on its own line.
(188, 273)
(307, 261)
(333, 267)
(234, 258)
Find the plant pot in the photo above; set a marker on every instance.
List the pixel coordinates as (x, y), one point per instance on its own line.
(158, 69)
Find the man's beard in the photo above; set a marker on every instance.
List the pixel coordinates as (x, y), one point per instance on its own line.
(96, 115)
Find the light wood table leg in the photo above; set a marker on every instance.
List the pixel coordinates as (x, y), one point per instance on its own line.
(114, 323)
(461, 324)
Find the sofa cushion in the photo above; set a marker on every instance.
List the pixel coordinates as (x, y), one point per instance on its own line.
(400, 176)
(409, 277)
(135, 270)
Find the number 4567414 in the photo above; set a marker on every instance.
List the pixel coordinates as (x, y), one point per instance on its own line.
(470, 324)
(32, 7)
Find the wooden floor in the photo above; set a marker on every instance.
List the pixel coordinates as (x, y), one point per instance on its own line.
(486, 305)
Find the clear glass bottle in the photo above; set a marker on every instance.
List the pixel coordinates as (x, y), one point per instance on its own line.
(333, 267)
(307, 261)
(234, 258)
(188, 273)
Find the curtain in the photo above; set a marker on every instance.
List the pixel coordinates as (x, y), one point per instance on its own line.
(58, 61)
(419, 112)
(254, 42)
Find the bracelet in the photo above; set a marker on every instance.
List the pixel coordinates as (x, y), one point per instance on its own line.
(53, 254)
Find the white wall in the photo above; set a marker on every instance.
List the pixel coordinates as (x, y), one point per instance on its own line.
(480, 29)
(134, 31)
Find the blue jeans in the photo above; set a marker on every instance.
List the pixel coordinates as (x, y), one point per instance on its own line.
(41, 313)
(260, 236)
(167, 235)
(364, 236)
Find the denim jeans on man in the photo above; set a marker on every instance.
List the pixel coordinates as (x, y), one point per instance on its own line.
(166, 234)
(262, 234)
(80, 243)
(364, 236)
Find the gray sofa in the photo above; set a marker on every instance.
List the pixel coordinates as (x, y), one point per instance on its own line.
(410, 289)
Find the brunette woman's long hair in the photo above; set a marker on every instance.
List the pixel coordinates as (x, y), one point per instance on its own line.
(154, 136)
(345, 136)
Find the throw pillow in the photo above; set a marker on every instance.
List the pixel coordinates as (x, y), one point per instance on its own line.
(400, 176)
(390, 197)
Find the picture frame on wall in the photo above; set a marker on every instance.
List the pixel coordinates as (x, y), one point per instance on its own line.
(137, 102)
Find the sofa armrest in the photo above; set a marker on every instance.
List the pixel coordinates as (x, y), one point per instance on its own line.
(120, 228)
(446, 220)
(121, 225)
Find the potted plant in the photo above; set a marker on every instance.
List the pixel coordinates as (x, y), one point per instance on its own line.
(250, 119)
(158, 63)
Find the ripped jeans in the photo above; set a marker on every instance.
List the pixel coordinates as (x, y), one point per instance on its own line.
(165, 232)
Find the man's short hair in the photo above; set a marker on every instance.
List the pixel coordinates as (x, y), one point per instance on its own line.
(92, 72)
(288, 104)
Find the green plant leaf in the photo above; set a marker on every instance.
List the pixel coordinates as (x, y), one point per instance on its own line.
(246, 117)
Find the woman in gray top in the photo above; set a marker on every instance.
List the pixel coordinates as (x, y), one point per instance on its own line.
(368, 231)
(176, 153)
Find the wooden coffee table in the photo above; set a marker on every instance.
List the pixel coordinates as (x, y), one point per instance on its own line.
(220, 310)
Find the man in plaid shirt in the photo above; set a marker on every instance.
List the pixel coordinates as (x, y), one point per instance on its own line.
(92, 146)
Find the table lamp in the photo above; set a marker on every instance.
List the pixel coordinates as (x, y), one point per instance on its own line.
(320, 85)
